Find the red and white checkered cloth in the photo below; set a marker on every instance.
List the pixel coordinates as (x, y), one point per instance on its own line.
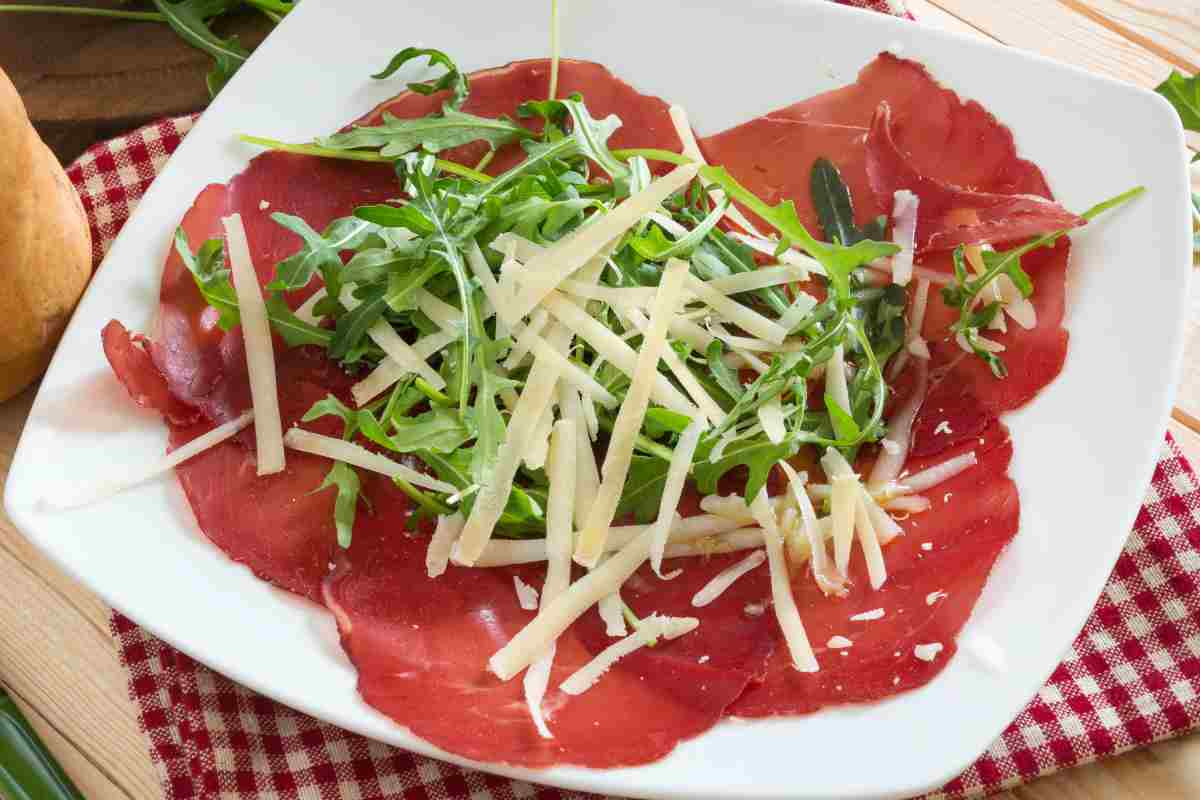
(1132, 676)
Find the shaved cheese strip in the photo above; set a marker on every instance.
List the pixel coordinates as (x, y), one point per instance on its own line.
(835, 378)
(587, 475)
(341, 450)
(489, 505)
(389, 372)
(913, 504)
(399, 351)
(982, 342)
(886, 528)
(789, 256)
(1016, 305)
(538, 446)
(781, 588)
(667, 224)
(525, 339)
(612, 612)
(559, 536)
(677, 472)
(506, 552)
(556, 344)
(527, 596)
(744, 317)
(573, 374)
(687, 379)
(260, 352)
(616, 352)
(726, 578)
(437, 557)
(928, 478)
(109, 487)
(305, 312)
(487, 281)
(626, 295)
(522, 249)
(732, 542)
(868, 539)
(563, 258)
(914, 342)
(557, 616)
(761, 278)
(691, 149)
(558, 542)
(440, 313)
(630, 416)
(828, 579)
(770, 415)
(798, 310)
(733, 507)
(650, 629)
(898, 439)
(904, 235)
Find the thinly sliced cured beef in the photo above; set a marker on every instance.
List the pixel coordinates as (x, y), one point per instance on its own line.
(997, 217)
(936, 571)
(421, 647)
(135, 369)
(946, 141)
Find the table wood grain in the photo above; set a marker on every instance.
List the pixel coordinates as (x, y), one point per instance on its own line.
(56, 656)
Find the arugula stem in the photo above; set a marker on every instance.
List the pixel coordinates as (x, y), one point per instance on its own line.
(81, 11)
(652, 154)
(355, 155)
(435, 396)
(420, 498)
(643, 442)
(277, 7)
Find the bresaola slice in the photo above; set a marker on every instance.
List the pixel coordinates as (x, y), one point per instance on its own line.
(421, 646)
(136, 371)
(998, 217)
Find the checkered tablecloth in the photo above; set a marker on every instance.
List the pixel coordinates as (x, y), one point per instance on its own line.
(1131, 677)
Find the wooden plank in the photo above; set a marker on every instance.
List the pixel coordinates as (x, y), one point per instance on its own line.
(1053, 29)
(1168, 28)
(927, 13)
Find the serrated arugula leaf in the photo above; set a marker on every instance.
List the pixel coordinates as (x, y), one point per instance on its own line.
(345, 507)
(660, 421)
(387, 216)
(643, 488)
(294, 331)
(489, 423)
(394, 137)
(1184, 94)
(452, 79)
(831, 198)
(724, 376)
(439, 430)
(211, 276)
(330, 406)
(319, 251)
(758, 455)
(589, 134)
(844, 426)
(654, 246)
(190, 19)
(352, 326)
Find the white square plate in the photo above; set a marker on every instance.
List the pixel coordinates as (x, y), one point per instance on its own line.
(1084, 449)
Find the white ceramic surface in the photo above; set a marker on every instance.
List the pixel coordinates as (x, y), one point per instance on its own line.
(1084, 449)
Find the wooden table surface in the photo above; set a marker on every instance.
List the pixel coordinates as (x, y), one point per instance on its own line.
(56, 656)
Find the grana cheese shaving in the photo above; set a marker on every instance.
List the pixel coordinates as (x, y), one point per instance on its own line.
(489, 505)
(726, 578)
(260, 352)
(400, 352)
(573, 374)
(770, 416)
(437, 556)
(744, 317)
(938, 473)
(487, 281)
(559, 261)
(527, 596)
(781, 588)
(829, 580)
(341, 450)
(109, 487)
(630, 416)
(687, 379)
(677, 472)
(525, 339)
(789, 256)
(691, 149)
(835, 378)
(650, 629)
(522, 249)
(898, 439)
(904, 235)
(557, 616)
(611, 610)
(587, 476)
(305, 312)
(868, 539)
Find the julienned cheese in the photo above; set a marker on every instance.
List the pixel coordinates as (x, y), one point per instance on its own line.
(437, 555)
(341, 450)
(562, 259)
(650, 629)
(691, 149)
(726, 578)
(781, 588)
(630, 416)
(260, 352)
(677, 472)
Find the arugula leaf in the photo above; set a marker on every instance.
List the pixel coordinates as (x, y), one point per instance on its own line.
(654, 246)
(643, 488)
(211, 276)
(330, 406)
(724, 376)
(189, 19)
(319, 251)
(438, 430)
(345, 508)
(490, 425)
(844, 426)
(352, 326)
(295, 331)
(838, 260)
(660, 421)
(387, 216)
(394, 137)
(759, 455)
(1184, 94)
(589, 134)
(832, 201)
(451, 79)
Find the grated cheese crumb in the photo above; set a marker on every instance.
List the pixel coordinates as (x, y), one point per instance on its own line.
(755, 609)
(263, 205)
(933, 597)
(943, 427)
(927, 652)
(702, 660)
(867, 616)
(926, 546)
(946, 497)
(527, 596)
(839, 643)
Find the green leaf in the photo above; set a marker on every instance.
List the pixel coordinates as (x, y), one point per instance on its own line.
(395, 217)
(757, 454)
(725, 376)
(643, 488)
(1184, 94)
(295, 331)
(189, 19)
(654, 246)
(330, 406)
(659, 421)
(832, 201)
(211, 276)
(438, 430)
(394, 137)
(318, 251)
(402, 285)
(352, 326)
(345, 507)
(491, 428)
(451, 79)
(844, 425)
(589, 135)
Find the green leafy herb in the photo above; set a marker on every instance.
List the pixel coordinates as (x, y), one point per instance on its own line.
(190, 19)
(345, 508)
(451, 79)
(319, 251)
(758, 455)
(211, 276)
(1184, 94)
(393, 137)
